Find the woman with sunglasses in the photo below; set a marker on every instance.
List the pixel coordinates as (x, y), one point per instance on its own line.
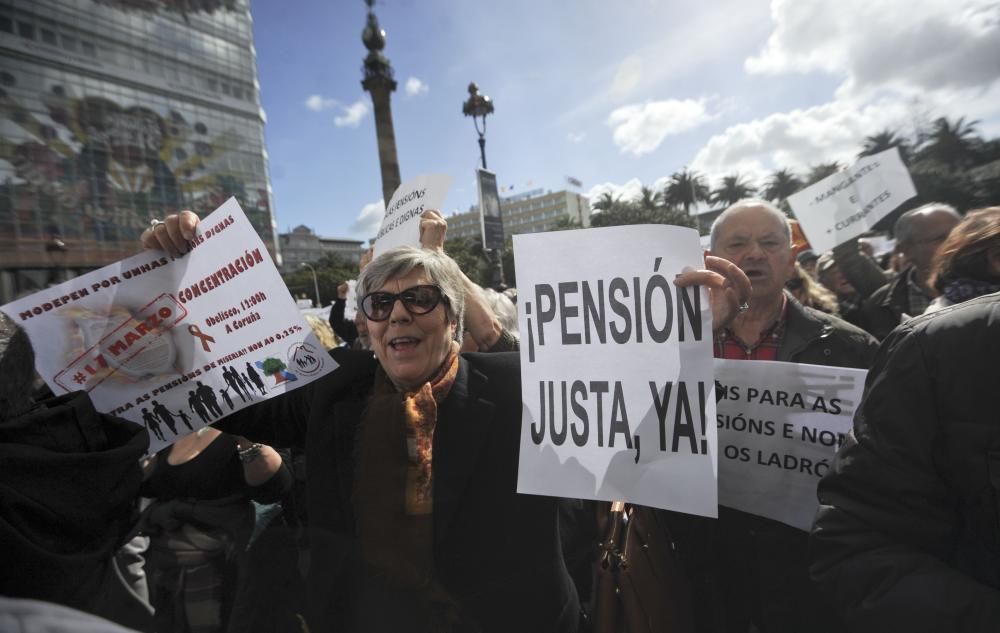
(415, 522)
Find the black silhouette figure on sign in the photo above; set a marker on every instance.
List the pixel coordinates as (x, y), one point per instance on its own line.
(152, 424)
(232, 379)
(165, 416)
(196, 405)
(208, 398)
(185, 419)
(244, 382)
(225, 396)
(255, 377)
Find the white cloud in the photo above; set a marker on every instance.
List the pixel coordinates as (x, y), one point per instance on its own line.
(576, 137)
(318, 103)
(369, 219)
(794, 140)
(415, 87)
(911, 45)
(903, 62)
(627, 191)
(352, 114)
(641, 128)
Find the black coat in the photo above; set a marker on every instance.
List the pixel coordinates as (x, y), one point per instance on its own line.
(907, 537)
(69, 488)
(497, 552)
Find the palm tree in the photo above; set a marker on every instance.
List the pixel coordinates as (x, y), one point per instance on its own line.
(649, 201)
(780, 185)
(886, 139)
(606, 202)
(685, 189)
(952, 144)
(821, 171)
(732, 190)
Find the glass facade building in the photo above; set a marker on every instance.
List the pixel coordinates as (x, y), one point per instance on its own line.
(115, 112)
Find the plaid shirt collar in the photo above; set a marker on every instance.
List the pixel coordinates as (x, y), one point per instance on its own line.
(730, 346)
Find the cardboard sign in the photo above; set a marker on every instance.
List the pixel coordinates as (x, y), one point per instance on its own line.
(176, 343)
(616, 368)
(848, 203)
(780, 425)
(401, 225)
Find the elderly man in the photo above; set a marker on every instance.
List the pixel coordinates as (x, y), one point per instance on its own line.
(919, 233)
(747, 570)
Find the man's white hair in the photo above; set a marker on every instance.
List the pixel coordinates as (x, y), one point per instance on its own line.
(749, 202)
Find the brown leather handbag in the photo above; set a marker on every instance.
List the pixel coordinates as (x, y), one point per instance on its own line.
(639, 585)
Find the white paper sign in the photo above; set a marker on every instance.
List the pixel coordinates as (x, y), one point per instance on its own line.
(850, 202)
(175, 344)
(779, 428)
(401, 225)
(351, 303)
(616, 368)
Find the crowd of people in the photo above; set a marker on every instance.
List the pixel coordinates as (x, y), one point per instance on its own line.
(382, 496)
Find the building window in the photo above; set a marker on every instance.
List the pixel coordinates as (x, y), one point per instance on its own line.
(26, 30)
(69, 43)
(6, 24)
(49, 37)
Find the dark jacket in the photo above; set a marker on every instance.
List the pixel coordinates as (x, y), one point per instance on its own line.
(884, 310)
(907, 537)
(497, 552)
(817, 338)
(345, 329)
(69, 484)
(744, 568)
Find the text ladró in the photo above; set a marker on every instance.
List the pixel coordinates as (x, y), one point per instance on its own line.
(779, 426)
(616, 368)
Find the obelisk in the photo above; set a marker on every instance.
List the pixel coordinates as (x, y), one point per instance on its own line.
(380, 84)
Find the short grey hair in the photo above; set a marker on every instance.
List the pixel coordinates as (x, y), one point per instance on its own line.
(440, 269)
(503, 309)
(749, 202)
(904, 228)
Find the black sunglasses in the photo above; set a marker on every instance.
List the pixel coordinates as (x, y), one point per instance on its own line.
(417, 300)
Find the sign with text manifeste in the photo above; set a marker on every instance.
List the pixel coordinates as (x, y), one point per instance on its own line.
(780, 425)
(850, 202)
(616, 368)
(176, 343)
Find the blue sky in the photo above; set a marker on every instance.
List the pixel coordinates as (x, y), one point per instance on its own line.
(611, 93)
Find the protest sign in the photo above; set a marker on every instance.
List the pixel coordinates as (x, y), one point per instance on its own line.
(176, 343)
(850, 202)
(401, 224)
(351, 303)
(616, 368)
(779, 428)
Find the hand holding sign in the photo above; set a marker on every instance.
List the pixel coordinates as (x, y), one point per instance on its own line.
(433, 230)
(172, 235)
(728, 288)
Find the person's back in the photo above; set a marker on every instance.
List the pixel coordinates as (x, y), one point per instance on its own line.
(68, 494)
(906, 538)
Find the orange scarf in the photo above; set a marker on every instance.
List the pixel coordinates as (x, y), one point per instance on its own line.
(393, 491)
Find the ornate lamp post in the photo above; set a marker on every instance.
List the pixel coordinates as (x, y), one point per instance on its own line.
(315, 284)
(478, 106)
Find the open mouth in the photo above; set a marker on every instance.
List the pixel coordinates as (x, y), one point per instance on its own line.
(755, 274)
(401, 343)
